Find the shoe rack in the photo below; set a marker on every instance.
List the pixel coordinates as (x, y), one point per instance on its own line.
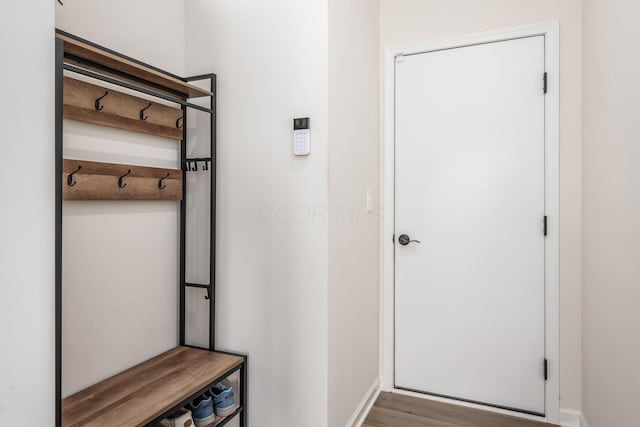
(146, 393)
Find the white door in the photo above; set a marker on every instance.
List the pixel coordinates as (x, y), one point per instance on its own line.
(469, 297)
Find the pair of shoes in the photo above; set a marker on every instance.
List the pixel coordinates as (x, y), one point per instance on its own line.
(202, 408)
(219, 401)
(223, 397)
(181, 418)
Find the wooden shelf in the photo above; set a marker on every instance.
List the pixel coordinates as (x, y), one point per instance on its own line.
(86, 54)
(119, 110)
(147, 391)
(99, 181)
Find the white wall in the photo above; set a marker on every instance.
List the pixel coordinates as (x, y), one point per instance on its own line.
(271, 62)
(409, 22)
(120, 258)
(27, 214)
(150, 31)
(611, 204)
(354, 243)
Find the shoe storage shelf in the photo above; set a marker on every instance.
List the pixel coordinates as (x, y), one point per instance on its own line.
(144, 394)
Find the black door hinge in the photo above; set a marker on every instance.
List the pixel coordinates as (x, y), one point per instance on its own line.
(544, 83)
(546, 370)
(544, 226)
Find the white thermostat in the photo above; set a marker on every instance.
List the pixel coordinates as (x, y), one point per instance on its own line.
(301, 137)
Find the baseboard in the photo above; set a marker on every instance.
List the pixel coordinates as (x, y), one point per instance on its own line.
(571, 418)
(361, 412)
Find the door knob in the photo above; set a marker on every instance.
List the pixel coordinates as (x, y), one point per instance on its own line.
(404, 240)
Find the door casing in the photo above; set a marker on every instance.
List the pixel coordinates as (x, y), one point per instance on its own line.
(550, 30)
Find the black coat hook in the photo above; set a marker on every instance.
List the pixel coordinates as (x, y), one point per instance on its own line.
(160, 185)
(208, 296)
(142, 116)
(120, 183)
(195, 166)
(70, 181)
(178, 124)
(206, 165)
(97, 103)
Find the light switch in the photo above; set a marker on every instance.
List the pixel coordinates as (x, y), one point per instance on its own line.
(369, 203)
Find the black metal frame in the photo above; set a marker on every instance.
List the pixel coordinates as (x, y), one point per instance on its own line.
(60, 67)
(185, 162)
(59, 108)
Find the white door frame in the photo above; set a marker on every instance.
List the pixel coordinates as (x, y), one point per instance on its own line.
(552, 180)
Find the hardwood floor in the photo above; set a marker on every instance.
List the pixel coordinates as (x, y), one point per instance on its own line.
(395, 410)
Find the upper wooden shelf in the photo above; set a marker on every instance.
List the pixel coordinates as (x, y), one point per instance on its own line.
(145, 392)
(78, 52)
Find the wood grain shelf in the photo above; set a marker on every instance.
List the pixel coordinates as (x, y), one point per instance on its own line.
(115, 121)
(99, 181)
(119, 110)
(138, 396)
(86, 54)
